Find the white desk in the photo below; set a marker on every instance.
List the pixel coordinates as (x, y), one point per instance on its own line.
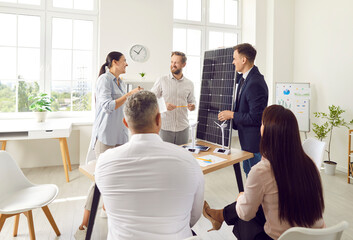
(28, 129)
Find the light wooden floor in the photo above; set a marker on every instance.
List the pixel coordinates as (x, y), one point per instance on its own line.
(220, 190)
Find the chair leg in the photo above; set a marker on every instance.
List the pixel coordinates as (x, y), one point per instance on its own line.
(51, 220)
(29, 216)
(2, 220)
(15, 228)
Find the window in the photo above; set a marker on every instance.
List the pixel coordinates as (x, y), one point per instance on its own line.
(223, 12)
(188, 39)
(218, 38)
(19, 60)
(49, 46)
(187, 10)
(201, 25)
(29, 2)
(74, 4)
(71, 55)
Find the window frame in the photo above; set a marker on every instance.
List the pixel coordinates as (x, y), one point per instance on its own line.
(51, 8)
(223, 25)
(205, 26)
(223, 30)
(41, 15)
(50, 16)
(24, 6)
(46, 12)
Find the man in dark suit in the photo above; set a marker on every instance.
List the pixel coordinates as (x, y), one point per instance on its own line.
(251, 100)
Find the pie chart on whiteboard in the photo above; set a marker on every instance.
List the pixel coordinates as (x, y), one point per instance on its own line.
(286, 92)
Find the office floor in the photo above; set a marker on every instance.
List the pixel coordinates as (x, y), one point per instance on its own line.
(220, 190)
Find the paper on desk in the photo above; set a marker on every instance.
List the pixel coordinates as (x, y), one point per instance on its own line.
(209, 159)
(161, 105)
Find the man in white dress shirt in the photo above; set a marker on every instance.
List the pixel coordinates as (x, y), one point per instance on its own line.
(178, 93)
(151, 189)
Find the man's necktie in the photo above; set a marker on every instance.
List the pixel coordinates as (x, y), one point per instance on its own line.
(240, 85)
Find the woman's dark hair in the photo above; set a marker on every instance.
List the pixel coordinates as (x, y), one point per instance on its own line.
(108, 61)
(300, 195)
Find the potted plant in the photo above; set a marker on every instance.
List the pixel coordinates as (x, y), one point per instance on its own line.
(332, 119)
(142, 74)
(40, 105)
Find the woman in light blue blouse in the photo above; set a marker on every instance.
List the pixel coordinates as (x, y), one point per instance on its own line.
(108, 129)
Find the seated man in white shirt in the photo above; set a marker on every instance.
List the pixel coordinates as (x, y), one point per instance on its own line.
(151, 189)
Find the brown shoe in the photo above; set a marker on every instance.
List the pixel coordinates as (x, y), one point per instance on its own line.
(215, 224)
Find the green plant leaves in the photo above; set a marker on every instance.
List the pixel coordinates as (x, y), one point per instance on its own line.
(333, 119)
(321, 131)
(40, 102)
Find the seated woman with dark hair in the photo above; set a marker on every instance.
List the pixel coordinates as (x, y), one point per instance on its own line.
(283, 190)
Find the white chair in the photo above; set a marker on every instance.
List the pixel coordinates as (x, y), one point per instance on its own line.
(331, 233)
(315, 149)
(18, 195)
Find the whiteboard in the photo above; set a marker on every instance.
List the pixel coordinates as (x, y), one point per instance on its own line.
(296, 97)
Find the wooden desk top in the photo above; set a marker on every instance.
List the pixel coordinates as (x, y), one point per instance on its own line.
(236, 156)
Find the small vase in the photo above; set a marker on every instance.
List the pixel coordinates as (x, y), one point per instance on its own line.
(41, 116)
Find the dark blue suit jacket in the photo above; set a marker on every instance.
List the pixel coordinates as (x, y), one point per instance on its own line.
(248, 114)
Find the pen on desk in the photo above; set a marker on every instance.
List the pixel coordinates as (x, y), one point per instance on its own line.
(206, 160)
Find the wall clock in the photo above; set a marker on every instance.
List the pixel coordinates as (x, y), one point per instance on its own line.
(139, 53)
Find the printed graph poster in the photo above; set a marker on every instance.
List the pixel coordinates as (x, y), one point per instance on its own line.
(296, 97)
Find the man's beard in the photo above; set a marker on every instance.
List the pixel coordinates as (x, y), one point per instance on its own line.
(176, 72)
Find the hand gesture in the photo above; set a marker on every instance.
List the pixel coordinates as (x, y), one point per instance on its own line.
(191, 107)
(135, 90)
(170, 106)
(225, 115)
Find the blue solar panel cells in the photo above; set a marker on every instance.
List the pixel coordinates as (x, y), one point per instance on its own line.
(217, 91)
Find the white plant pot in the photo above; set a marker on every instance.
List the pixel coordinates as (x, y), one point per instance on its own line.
(41, 116)
(330, 169)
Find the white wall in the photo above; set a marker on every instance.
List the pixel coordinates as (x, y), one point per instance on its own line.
(148, 22)
(306, 41)
(269, 25)
(323, 56)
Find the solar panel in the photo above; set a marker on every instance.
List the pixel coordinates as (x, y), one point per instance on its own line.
(217, 91)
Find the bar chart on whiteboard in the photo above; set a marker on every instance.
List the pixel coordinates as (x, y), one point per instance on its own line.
(296, 97)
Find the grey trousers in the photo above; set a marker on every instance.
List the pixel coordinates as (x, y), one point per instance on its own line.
(177, 138)
(98, 149)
